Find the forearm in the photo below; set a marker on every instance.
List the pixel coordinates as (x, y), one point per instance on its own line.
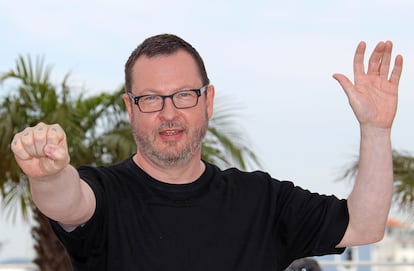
(370, 200)
(63, 197)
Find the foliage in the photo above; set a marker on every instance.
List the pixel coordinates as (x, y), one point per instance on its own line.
(226, 145)
(403, 180)
(37, 100)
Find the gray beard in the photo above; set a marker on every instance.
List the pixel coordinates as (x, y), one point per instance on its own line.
(170, 159)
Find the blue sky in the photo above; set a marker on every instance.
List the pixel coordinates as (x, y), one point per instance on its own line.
(272, 58)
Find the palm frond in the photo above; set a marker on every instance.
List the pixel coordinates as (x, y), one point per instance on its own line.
(403, 166)
(226, 143)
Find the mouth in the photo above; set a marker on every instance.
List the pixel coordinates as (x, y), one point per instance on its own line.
(170, 132)
(171, 135)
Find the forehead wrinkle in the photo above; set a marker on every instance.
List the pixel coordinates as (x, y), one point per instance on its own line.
(153, 91)
(165, 73)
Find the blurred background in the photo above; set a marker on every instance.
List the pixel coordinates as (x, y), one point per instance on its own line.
(273, 59)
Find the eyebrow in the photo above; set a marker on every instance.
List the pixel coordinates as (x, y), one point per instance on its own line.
(150, 91)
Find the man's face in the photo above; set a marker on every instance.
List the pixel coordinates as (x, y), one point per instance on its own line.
(171, 136)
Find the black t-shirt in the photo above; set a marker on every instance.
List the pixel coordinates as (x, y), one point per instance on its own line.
(226, 220)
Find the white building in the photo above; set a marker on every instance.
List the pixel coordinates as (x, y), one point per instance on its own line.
(394, 253)
(396, 247)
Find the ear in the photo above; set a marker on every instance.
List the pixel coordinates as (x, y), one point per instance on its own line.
(128, 105)
(210, 100)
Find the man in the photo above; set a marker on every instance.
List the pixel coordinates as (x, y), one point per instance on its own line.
(166, 209)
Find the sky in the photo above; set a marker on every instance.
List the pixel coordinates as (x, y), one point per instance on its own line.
(274, 59)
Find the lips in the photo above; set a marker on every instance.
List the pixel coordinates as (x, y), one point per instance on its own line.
(170, 132)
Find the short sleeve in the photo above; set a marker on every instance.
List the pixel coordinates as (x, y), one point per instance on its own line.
(309, 224)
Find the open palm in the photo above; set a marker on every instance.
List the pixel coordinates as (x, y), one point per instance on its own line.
(373, 95)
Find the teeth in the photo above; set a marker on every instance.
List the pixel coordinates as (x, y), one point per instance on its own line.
(170, 132)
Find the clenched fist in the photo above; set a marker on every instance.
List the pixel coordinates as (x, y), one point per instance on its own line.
(41, 151)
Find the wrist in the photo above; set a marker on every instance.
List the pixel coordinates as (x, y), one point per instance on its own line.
(56, 175)
(371, 131)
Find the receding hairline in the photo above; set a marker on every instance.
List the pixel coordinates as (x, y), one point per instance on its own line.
(162, 55)
(163, 45)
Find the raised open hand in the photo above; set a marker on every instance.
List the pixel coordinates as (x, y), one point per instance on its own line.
(373, 95)
(41, 151)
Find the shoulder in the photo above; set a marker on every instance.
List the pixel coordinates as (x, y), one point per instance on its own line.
(255, 178)
(254, 182)
(109, 176)
(261, 182)
(120, 168)
(244, 176)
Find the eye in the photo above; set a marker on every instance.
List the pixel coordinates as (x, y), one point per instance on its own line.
(150, 98)
(186, 94)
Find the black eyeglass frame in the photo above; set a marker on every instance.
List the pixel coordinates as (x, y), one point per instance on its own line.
(198, 92)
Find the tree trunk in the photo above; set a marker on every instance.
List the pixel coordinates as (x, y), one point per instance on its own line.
(50, 253)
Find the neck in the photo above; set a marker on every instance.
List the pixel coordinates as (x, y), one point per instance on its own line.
(181, 174)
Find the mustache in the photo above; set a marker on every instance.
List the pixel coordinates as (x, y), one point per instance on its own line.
(171, 124)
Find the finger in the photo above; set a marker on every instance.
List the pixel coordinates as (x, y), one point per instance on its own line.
(385, 61)
(397, 70)
(55, 134)
(359, 59)
(56, 147)
(18, 149)
(39, 137)
(375, 59)
(27, 142)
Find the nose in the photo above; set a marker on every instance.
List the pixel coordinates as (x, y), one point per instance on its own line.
(169, 111)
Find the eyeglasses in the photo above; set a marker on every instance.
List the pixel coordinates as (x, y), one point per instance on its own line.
(181, 99)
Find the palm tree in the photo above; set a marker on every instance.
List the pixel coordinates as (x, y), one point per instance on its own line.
(97, 132)
(404, 180)
(403, 164)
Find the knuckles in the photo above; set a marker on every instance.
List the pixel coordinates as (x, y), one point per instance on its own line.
(33, 139)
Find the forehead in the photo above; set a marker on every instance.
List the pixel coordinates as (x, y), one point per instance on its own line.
(159, 72)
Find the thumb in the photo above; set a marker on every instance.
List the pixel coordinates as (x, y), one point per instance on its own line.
(345, 83)
(58, 154)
